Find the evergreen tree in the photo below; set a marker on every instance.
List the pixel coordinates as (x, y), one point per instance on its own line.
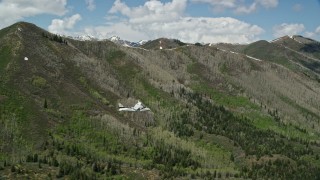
(45, 105)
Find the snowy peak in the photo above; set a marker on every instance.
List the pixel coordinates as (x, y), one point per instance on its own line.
(84, 38)
(142, 42)
(115, 38)
(118, 40)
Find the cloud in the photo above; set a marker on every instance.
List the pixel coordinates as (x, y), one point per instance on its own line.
(287, 29)
(318, 30)
(223, 3)
(268, 3)
(151, 11)
(313, 34)
(218, 5)
(122, 29)
(61, 26)
(187, 29)
(90, 5)
(155, 19)
(239, 6)
(14, 10)
(297, 7)
(309, 34)
(246, 10)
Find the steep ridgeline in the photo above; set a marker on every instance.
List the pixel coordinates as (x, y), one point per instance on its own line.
(218, 111)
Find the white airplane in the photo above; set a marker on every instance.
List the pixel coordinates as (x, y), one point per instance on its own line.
(138, 107)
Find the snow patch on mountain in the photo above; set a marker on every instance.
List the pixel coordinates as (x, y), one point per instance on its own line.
(292, 37)
(142, 42)
(84, 38)
(118, 40)
(115, 39)
(232, 52)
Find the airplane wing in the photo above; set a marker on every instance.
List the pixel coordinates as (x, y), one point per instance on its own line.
(126, 109)
(145, 109)
(120, 105)
(122, 108)
(138, 106)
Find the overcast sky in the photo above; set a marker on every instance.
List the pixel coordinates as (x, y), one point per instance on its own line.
(208, 21)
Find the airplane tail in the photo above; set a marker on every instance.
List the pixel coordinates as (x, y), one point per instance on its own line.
(120, 105)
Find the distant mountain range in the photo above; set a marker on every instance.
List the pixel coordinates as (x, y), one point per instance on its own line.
(115, 39)
(84, 38)
(218, 111)
(118, 40)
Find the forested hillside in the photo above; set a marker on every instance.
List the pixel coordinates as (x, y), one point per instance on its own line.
(217, 111)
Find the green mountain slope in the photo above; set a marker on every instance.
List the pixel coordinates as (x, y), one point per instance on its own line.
(215, 113)
(163, 43)
(307, 50)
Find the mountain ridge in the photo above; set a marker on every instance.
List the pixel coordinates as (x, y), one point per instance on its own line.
(216, 112)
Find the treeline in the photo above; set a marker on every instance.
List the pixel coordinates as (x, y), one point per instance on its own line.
(55, 37)
(215, 119)
(11, 118)
(282, 169)
(179, 42)
(180, 124)
(99, 153)
(172, 156)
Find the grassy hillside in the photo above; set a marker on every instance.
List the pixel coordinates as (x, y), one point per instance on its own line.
(164, 43)
(215, 114)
